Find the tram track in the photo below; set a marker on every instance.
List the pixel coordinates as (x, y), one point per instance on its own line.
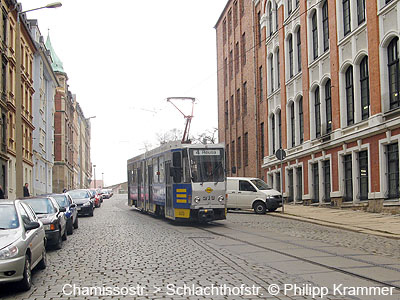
(307, 260)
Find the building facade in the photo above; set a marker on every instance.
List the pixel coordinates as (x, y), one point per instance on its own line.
(327, 82)
(45, 83)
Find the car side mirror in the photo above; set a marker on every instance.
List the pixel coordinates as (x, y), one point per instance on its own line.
(31, 225)
(62, 209)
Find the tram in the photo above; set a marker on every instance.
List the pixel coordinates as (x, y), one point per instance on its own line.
(179, 181)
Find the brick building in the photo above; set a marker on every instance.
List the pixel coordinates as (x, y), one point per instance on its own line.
(321, 80)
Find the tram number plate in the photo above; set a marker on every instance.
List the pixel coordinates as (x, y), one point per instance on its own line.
(206, 152)
(205, 198)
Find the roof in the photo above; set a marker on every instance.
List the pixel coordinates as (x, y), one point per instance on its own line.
(57, 64)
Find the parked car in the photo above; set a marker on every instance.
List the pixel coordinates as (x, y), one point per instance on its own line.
(97, 198)
(252, 193)
(84, 201)
(65, 200)
(53, 218)
(105, 193)
(22, 243)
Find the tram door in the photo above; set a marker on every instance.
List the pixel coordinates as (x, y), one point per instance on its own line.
(150, 188)
(169, 203)
(139, 188)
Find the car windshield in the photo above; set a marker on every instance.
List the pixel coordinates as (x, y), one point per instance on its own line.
(41, 205)
(260, 184)
(61, 200)
(92, 192)
(8, 217)
(79, 194)
(207, 165)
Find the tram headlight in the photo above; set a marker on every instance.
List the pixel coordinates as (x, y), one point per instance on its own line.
(220, 198)
(197, 199)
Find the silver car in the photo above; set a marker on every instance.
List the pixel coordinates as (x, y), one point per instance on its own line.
(22, 243)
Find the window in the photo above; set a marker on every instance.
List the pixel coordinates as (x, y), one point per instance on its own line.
(292, 127)
(246, 186)
(290, 185)
(227, 157)
(246, 149)
(271, 65)
(290, 42)
(232, 112)
(317, 112)
(297, 3)
(273, 133)
(270, 18)
(289, 4)
(348, 178)
(259, 28)
(238, 104)
(364, 83)
(315, 35)
(325, 25)
(276, 16)
(230, 22)
(350, 96)
(260, 77)
(346, 16)
(360, 11)
(262, 137)
(393, 170)
(226, 72)
(363, 166)
(280, 129)
(231, 65)
(278, 181)
(244, 99)
(315, 182)
(299, 184)
(233, 154)
(243, 49)
(394, 73)
(328, 106)
(278, 71)
(237, 57)
(239, 152)
(224, 31)
(327, 180)
(298, 51)
(4, 78)
(301, 120)
(226, 114)
(235, 14)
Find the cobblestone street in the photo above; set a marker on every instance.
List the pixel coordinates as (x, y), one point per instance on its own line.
(121, 248)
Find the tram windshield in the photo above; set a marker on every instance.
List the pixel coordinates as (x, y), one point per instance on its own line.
(207, 165)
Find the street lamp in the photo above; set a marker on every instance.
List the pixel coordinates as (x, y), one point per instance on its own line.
(19, 176)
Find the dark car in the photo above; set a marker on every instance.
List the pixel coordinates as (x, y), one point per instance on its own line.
(97, 197)
(53, 218)
(65, 200)
(84, 201)
(22, 243)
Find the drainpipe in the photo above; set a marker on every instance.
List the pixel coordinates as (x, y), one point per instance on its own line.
(255, 90)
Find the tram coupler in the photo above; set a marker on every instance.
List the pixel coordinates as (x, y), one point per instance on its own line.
(205, 215)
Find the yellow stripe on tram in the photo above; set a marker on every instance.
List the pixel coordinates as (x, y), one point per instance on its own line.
(181, 190)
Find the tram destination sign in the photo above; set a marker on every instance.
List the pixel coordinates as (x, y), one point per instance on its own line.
(207, 152)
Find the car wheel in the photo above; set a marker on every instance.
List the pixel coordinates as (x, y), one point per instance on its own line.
(58, 245)
(26, 282)
(70, 227)
(259, 208)
(76, 225)
(43, 263)
(64, 237)
(91, 213)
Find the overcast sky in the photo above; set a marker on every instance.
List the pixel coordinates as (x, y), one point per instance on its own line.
(124, 58)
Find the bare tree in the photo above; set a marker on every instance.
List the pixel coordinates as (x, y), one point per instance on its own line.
(168, 136)
(210, 136)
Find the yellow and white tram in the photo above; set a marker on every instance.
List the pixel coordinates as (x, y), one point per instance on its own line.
(180, 181)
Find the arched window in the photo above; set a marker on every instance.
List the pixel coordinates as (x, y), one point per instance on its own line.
(273, 133)
(289, 5)
(364, 84)
(279, 130)
(301, 120)
(292, 124)
(350, 96)
(270, 18)
(276, 16)
(315, 34)
(317, 112)
(271, 67)
(394, 73)
(290, 44)
(325, 25)
(328, 106)
(278, 69)
(298, 50)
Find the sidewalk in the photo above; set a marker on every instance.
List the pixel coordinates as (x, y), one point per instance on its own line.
(358, 221)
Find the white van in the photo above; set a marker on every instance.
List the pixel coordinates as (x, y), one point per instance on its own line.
(252, 193)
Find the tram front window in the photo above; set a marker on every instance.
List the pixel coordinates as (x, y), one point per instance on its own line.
(207, 165)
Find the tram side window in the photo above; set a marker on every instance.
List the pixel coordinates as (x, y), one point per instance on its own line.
(177, 167)
(156, 176)
(161, 169)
